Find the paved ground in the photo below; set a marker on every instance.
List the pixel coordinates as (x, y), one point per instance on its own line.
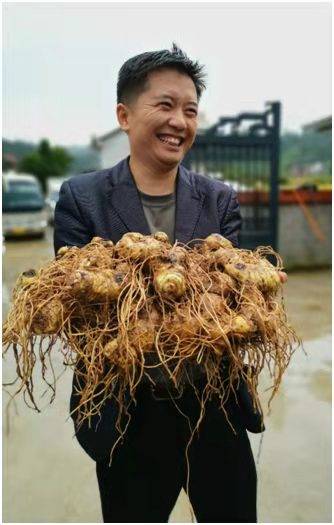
(47, 478)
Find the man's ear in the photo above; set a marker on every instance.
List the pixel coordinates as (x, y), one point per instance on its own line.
(122, 112)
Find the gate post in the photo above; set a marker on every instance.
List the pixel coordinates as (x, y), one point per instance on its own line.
(274, 172)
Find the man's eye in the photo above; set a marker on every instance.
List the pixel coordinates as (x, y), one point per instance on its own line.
(192, 112)
(166, 104)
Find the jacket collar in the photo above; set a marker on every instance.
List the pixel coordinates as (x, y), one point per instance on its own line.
(125, 200)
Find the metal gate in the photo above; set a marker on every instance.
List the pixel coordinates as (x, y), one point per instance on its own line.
(244, 152)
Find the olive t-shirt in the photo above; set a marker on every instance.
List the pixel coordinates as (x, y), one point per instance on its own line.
(159, 211)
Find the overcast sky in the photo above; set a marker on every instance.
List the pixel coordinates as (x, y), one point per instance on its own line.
(60, 61)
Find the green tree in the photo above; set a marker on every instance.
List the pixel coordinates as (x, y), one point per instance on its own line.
(46, 161)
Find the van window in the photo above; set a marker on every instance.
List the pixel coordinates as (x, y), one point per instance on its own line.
(21, 196)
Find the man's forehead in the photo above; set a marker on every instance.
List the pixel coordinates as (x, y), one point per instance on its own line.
(172, 84)
(174, 94)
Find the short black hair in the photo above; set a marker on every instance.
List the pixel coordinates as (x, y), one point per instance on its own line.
(133, 74)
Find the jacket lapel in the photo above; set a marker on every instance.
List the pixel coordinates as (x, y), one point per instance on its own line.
(125, 201)
(189, 204)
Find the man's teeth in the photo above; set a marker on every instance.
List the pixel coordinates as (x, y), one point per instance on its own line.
(170, 140)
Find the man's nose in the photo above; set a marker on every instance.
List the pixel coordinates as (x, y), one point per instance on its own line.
(177, 120)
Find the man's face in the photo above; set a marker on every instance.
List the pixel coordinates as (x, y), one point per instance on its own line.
(162, 121)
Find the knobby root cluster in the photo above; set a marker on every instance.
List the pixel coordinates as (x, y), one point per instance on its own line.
(144, 310)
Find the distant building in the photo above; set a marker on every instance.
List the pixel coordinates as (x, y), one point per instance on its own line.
(114, 145)
(314, 168)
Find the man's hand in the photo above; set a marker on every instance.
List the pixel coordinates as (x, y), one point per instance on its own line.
(283, 277)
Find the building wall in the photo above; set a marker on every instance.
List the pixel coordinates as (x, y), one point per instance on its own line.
(114, 150)
(298, 245)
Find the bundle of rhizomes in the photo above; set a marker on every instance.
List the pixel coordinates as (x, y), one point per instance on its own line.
(126, 311)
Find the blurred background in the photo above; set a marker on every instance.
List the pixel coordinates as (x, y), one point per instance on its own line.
(264, 127)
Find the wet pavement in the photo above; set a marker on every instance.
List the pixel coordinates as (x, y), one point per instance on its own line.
(48, 478)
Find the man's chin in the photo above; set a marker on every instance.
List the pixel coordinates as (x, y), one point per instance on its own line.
(170, 160)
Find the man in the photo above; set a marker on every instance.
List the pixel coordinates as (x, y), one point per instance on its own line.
(158, 95)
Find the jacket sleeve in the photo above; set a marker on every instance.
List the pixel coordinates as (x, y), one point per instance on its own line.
(230, 224)
(70, 228)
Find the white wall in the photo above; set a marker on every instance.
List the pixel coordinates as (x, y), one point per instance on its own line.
(297, 244)
(114, 149)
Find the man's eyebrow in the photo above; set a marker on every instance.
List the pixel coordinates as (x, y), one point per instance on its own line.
(170, 97)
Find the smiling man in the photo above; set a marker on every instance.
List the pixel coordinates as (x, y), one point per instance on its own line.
(158, 95)
(161, 123)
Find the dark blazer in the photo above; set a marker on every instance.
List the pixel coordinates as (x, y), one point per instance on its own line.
(106, 203)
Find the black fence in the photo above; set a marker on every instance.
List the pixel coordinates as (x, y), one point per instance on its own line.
(244, 152)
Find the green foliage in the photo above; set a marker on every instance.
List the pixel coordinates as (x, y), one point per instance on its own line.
(323, 182)
(302, 150)
(306, 148)
(18, 148)
(83, 157)
(6, 165)
(283, 180)
(46, 161)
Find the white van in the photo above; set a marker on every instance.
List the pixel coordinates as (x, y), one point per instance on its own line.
(23, 205)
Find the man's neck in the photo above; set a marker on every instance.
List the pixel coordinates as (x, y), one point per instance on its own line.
(153, 181)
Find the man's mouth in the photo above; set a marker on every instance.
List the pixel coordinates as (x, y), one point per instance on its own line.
(172, 140)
